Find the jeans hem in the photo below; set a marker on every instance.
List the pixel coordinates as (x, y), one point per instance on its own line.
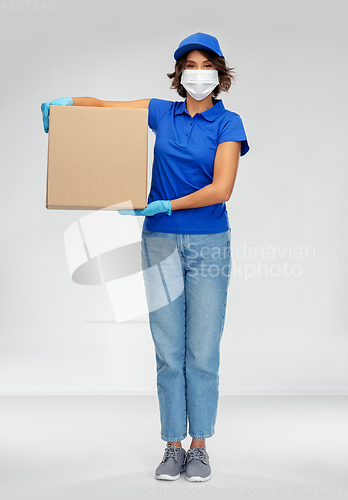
(202, 436)
(174, 440)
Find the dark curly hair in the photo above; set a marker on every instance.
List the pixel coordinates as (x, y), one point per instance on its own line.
(226, 76)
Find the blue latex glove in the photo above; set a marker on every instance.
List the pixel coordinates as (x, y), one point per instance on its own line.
(45, 108)
(156, 207)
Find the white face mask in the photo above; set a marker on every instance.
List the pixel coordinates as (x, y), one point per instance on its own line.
(199, 83)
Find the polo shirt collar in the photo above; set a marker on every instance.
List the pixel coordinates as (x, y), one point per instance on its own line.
(210, 114)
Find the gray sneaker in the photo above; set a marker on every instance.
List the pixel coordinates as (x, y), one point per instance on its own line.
(172, 464)
(197, 464)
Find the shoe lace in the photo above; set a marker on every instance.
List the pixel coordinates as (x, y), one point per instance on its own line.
(197, 453)
(171, 452)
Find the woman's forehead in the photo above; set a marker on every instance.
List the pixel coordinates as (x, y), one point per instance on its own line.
(196, 54)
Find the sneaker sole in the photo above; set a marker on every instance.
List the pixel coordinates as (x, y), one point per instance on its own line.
(167, 477)
(198, 478)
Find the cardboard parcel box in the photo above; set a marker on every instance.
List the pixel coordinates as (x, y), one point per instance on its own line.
(97, 158)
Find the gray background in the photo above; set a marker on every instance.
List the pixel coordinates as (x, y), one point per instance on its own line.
(283, 334)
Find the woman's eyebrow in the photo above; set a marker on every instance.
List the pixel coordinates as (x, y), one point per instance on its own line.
(190, 60)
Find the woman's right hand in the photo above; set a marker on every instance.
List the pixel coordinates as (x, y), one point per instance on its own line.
(45, 108)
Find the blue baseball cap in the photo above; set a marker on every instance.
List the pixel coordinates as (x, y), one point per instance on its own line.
(198, 41)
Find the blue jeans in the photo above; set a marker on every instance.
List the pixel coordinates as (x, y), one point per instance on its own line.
(186, 279)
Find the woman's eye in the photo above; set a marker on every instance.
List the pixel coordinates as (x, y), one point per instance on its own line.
(192, 65)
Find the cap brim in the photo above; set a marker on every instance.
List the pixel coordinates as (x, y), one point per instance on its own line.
(192, 46)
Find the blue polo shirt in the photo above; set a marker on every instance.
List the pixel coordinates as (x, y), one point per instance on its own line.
(183, 163)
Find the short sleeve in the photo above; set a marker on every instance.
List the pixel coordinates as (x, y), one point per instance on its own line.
(233, 130)
(157, 110)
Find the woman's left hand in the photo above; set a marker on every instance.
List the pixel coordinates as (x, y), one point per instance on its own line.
(156, 207)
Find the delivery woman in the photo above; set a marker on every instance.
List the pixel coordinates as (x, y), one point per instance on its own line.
(187, 237)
